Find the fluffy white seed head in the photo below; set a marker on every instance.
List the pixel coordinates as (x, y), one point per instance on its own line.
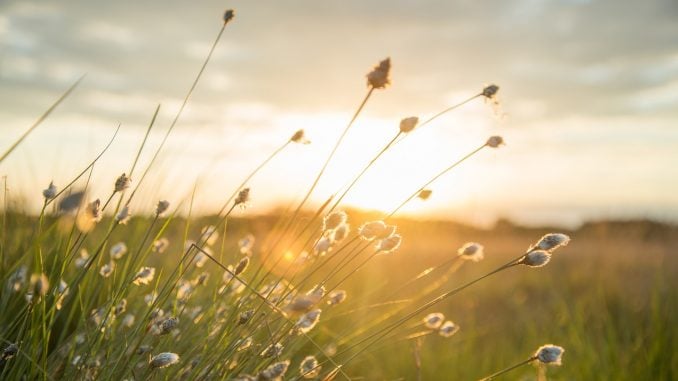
(184, 291)
(378, 78)
(425, 194)
(61, 292)
(336, 297)
(209, 235)
(309, 367)
(472, 251)
(123, 182)
(128, 321)
(341, 232)
(72, 202)
(490, 91)
(123, 215)
(242, 344)
(144, 276)
(201, 279)
(10, 351)
(375, 230)
(301, 304)
(245, 316)
(307, 321)
(275, 371)
(88, 216)
(323, 245)
(107, 269)
(389, 244)
(163, 360)
(300, 137)
(118, 250)
(51, 192)
(18, 279)
(536, 258)
(334, 220)
(62, 288)
(160, 245)
(550, 354)
(228, 15)
(243, 197)
(448, 329)
(162, 207)
(434, 320)
(82, 259)
(166, 325)
(39, 284)
(246, 244)
(495, 141)
(241, 266)
(149, 299)
(552, 241)
(121, 307)
(94, 210)
(272, 350)
(317, 292)
(408, 124)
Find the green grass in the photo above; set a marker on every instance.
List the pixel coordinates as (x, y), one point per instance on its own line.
(609, 298)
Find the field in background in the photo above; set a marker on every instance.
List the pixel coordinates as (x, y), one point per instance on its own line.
(610, 298)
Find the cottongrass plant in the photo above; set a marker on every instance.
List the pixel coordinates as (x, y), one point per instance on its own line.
(548, 354)
(97, 290)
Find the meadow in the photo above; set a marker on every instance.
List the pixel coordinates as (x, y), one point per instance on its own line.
(93, 289)
(609, 298)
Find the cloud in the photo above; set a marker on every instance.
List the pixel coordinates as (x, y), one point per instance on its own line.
(566, 68)
(116, 36)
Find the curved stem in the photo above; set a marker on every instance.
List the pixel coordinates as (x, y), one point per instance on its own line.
(436, 177)
(390, 328)
(90, 166)
(336, 146)
(322, 170)
(441, 113)
(355, 180)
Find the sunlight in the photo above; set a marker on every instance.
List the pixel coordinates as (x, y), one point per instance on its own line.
(394, 177)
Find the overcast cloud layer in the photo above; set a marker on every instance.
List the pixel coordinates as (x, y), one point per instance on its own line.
(589, 89)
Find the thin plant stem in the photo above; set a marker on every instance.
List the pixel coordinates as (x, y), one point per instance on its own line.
(41, 119)
(323, 168)
(312, 188)
(90, 166)
(265, 300)
(367, 167)
(335, 148)
(376, 336)
(180, 111)
(143, 141)
(441, 113)
(499, 373)
(436, 177)
(348, 258)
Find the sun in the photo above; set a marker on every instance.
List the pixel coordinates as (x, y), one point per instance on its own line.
(389, 181)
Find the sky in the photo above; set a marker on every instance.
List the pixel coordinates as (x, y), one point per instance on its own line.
(588, 102)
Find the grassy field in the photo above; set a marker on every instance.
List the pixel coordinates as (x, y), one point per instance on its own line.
(97, 289)
(609, 298)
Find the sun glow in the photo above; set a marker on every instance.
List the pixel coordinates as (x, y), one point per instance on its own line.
(398, 173)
